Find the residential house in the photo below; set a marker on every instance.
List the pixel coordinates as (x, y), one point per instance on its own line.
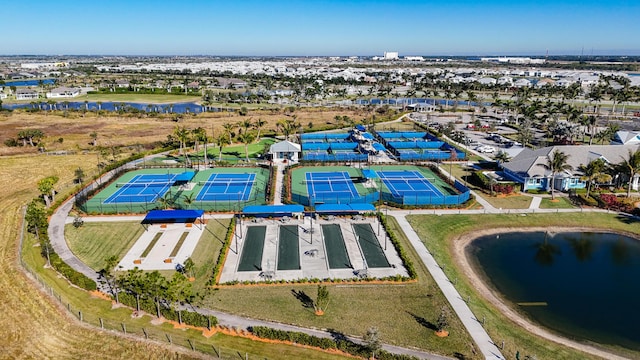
(528, 167)
(626, 138)
(63, 92)
(26, 94)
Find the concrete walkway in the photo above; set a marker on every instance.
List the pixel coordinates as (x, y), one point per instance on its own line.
(485, 345)
(277, 197)
(535, 202)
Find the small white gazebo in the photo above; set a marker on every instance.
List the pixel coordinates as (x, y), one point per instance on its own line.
(285, 151)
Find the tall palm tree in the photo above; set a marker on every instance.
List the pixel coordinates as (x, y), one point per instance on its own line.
(259, 124)
(594, 172)
(632, 165)
(222, 140)
(246, 138)
(182, 135)
(556, 163)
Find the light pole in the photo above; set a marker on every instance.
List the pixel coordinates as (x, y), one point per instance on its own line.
(386, 214)
(311, 228)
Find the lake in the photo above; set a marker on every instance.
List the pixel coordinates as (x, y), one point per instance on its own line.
(589, 281)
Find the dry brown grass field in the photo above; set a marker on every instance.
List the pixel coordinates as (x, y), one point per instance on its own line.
(124, 130)
(33, 326)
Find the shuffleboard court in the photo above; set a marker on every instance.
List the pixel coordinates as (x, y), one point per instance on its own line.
(288, 248)
(251, 259)
(371, 249)
(335, 247)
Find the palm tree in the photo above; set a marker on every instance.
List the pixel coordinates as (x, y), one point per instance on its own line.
(246, 138)
(632, 165)
(259, 124)
(188, 199)
(222, 140)
(182, 135)
(502, 157)
(594, 172)
(556, 162)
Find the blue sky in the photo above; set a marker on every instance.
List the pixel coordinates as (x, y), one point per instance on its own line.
(330, 27)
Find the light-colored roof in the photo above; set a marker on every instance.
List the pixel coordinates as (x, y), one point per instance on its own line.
(284, 146)
(627, 137)
(530, 163)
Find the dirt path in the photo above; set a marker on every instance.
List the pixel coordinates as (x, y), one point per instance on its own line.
(459, 257)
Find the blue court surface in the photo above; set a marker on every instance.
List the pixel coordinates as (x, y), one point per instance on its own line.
(330, 185)
(408, 183)
(144, 188)
(226, 187)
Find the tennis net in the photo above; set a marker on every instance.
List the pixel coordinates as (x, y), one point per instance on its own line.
(226, 183)
(145, 184)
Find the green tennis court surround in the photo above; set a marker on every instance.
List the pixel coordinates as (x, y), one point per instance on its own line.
(336, 249)
(370, 246)
(288, 248)
(251, 259)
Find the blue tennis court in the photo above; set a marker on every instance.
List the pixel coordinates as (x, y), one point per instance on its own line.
(408, 183)
(143, 188)
(330, 185)
(226, 187)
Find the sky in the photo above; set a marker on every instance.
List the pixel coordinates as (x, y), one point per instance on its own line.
(320, 28)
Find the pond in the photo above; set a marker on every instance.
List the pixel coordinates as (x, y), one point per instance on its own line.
(583, 285)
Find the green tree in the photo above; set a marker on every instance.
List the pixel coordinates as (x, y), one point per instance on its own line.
(178, 290)
(372, 341)
(79, 175)
(443, 320)
(221, 141)
(108, 273)
(502, 157)
(594, 171)
(246, 138)
(182, 135)
(133, 283)
(156, 288)
(632, 165)
(259, 124)
(94, 138)
(32, 136)
(322, 300)
(46, 188)
(188, 199)
(189, 266)
(556, 163)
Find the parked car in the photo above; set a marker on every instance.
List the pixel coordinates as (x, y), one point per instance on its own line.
(486, 149)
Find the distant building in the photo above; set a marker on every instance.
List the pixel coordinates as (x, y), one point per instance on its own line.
(26, 94)
(390, 55)
(414, 58)
(513, 60)
(626, 138)
(63, 92)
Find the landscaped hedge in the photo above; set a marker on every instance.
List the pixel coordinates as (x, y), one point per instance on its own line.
(408, 264)
(223, 253)
(344, 345)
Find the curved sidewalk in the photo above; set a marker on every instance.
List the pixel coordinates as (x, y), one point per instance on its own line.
(485, 345)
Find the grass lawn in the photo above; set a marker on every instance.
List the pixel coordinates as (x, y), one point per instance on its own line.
(206, 252)
(237, 151)
(559, 203)
(507, 202)
(403, 312)
(94, 242)
(441, 231)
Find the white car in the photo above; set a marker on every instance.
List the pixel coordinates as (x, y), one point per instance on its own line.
(486, 149)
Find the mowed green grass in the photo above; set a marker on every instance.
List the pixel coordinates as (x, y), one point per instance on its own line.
(93, 309)
(93, 242)
(559, 203)
(402, 311)
(438, 233)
